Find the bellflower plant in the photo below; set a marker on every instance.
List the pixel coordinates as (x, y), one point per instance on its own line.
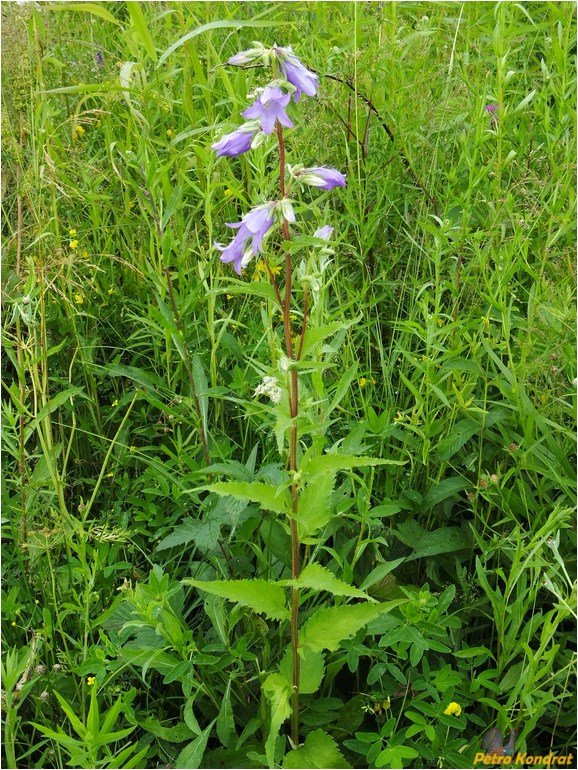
(304, 496)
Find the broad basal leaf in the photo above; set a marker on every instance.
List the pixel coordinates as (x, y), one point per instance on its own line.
(259, 595)
(327, 628)
(319, 751)
(277, 690)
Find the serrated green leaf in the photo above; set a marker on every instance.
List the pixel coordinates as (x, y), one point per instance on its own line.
(259, 595)
(311, 669)
(319, 751)
(333, 463)
(269, 497)
(327, 628)
(318, 479)
(277, 690)
(321, 579)
(205, 534)
(314, 510)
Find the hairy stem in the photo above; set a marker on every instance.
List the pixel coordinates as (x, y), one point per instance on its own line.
(294, 411)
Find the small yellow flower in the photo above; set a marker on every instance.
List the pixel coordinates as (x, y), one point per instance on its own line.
(132, 449)
(72, 232)
(362, 382)
(78, 132)
(13, 623)
(84, 254)
(171, 133)
(228, 192)
(78, 298)
(276, 270)
(453, 710)
(229, 296)
(115, 402)
(109, 475)
(73, 244)
(90, 680)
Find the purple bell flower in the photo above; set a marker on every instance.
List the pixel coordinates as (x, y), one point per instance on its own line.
(296, 73)
(254, 227)
(235, 143)
(270, 107)
(324, 178)
(324, 232)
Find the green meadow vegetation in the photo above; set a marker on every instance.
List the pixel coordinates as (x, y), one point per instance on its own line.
(368, 559)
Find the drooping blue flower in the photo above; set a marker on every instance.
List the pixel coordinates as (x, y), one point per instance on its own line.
(296, 73)
(254, 226)
(99, 59)
(236, 143)
(270, 107)
(324, 232)
(319, 176)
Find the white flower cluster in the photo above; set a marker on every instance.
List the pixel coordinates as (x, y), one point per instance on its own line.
(270, 387)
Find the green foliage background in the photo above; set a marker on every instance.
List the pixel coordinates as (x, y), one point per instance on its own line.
(452, 305)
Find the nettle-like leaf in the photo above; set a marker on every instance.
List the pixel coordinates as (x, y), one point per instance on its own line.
(268, 496)
(318, 478)
(311, 669)
(259, 595)
(321, 579)
(327, 628)
(319, 751)
(277, 690)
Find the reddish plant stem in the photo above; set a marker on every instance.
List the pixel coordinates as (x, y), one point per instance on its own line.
(294, 411)
(304, 326)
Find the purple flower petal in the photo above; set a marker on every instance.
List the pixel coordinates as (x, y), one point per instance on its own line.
(324, 178)
(297, 74)
(254, 226)
(236, 143)
(323, 232)
(270, 107)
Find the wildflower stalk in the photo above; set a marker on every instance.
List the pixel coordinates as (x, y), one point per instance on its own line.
(293, 411)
